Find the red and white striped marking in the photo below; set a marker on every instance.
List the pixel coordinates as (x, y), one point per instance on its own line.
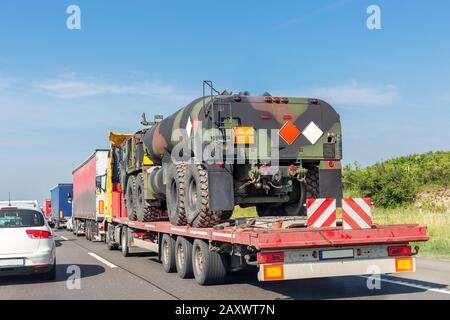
(357, 213)
(321, 213)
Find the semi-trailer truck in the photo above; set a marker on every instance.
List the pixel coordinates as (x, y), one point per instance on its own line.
(89, 196)
(300, 236)
(61, 199)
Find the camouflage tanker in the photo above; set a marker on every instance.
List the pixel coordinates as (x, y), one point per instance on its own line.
(226, 150)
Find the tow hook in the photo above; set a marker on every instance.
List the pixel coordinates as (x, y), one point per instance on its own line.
(416, 250)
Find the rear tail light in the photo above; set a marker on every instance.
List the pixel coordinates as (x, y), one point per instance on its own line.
(101, 228)
(265, 116)
(395, 251)
(39, 234)
(268, 257)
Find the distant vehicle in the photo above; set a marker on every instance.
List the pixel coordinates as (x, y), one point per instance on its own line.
(61, 204)
(27, 244)
(69, 225)
(48, 208)
(33, 204)
(89, 196)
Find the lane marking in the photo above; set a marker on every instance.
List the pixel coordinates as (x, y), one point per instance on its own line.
(64, 238)
(109, 264)
(411, 285)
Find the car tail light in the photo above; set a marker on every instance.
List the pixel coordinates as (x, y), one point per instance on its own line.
(101, 228)
(287, 117)
(268, 257)
(395, 251)
(265, 116)
(39, 234)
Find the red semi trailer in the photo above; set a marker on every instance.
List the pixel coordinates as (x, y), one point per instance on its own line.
(279, 248)
(89, 196)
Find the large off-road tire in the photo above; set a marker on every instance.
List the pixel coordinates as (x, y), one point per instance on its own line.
(131, 198)
(197, 198)
(208, 267)
(175, 194)
(138, 196)
(183, 257)
(294, 207)
(312, 182)
(168, 253)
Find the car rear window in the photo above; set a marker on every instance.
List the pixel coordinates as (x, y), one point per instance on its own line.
(20, 218)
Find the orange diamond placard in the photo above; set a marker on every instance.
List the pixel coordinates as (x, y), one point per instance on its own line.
(289, 132)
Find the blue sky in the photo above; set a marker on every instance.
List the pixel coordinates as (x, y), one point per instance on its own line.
(62, 90)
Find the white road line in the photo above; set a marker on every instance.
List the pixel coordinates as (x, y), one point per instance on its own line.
(64, 238)
(109, 264)
(412, 285)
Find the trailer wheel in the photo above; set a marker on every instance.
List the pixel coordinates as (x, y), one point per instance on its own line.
(209, 267)
(168, 253)
(131, 198)
(197, 198)
(87, 232)
(124, 242)
(183, 257)
(109, 243)
(175, 194)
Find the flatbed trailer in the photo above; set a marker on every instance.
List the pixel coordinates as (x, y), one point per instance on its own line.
(281, 248)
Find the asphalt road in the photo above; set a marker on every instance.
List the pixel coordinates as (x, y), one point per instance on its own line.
(107, 275)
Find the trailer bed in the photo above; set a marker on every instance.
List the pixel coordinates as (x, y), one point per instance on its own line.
(300, 237)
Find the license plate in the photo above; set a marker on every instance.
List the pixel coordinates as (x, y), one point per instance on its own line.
(336, 254)
(8, 263)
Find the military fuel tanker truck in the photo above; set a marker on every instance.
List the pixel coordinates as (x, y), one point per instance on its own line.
(223, 150)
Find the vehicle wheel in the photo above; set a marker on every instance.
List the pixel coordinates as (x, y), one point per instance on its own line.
(209, 267)
(197, 198)
(175, 194)
(130, 198)
(50, 275)
(294, 207)
(124, 242)
(183, 257)
(111, 245)
(74, 231)
(87, 230)
(168, 253)
(138, 196)
(312, 182)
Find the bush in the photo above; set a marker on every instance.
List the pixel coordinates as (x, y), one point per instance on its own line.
(396, 182)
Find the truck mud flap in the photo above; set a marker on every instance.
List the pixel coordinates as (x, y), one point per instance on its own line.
(220, 185)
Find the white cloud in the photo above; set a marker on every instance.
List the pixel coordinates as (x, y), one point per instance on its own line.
(356, 94)
(73, 88)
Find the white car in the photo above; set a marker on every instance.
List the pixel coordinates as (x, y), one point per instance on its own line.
(69, 225)
(27, 245)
